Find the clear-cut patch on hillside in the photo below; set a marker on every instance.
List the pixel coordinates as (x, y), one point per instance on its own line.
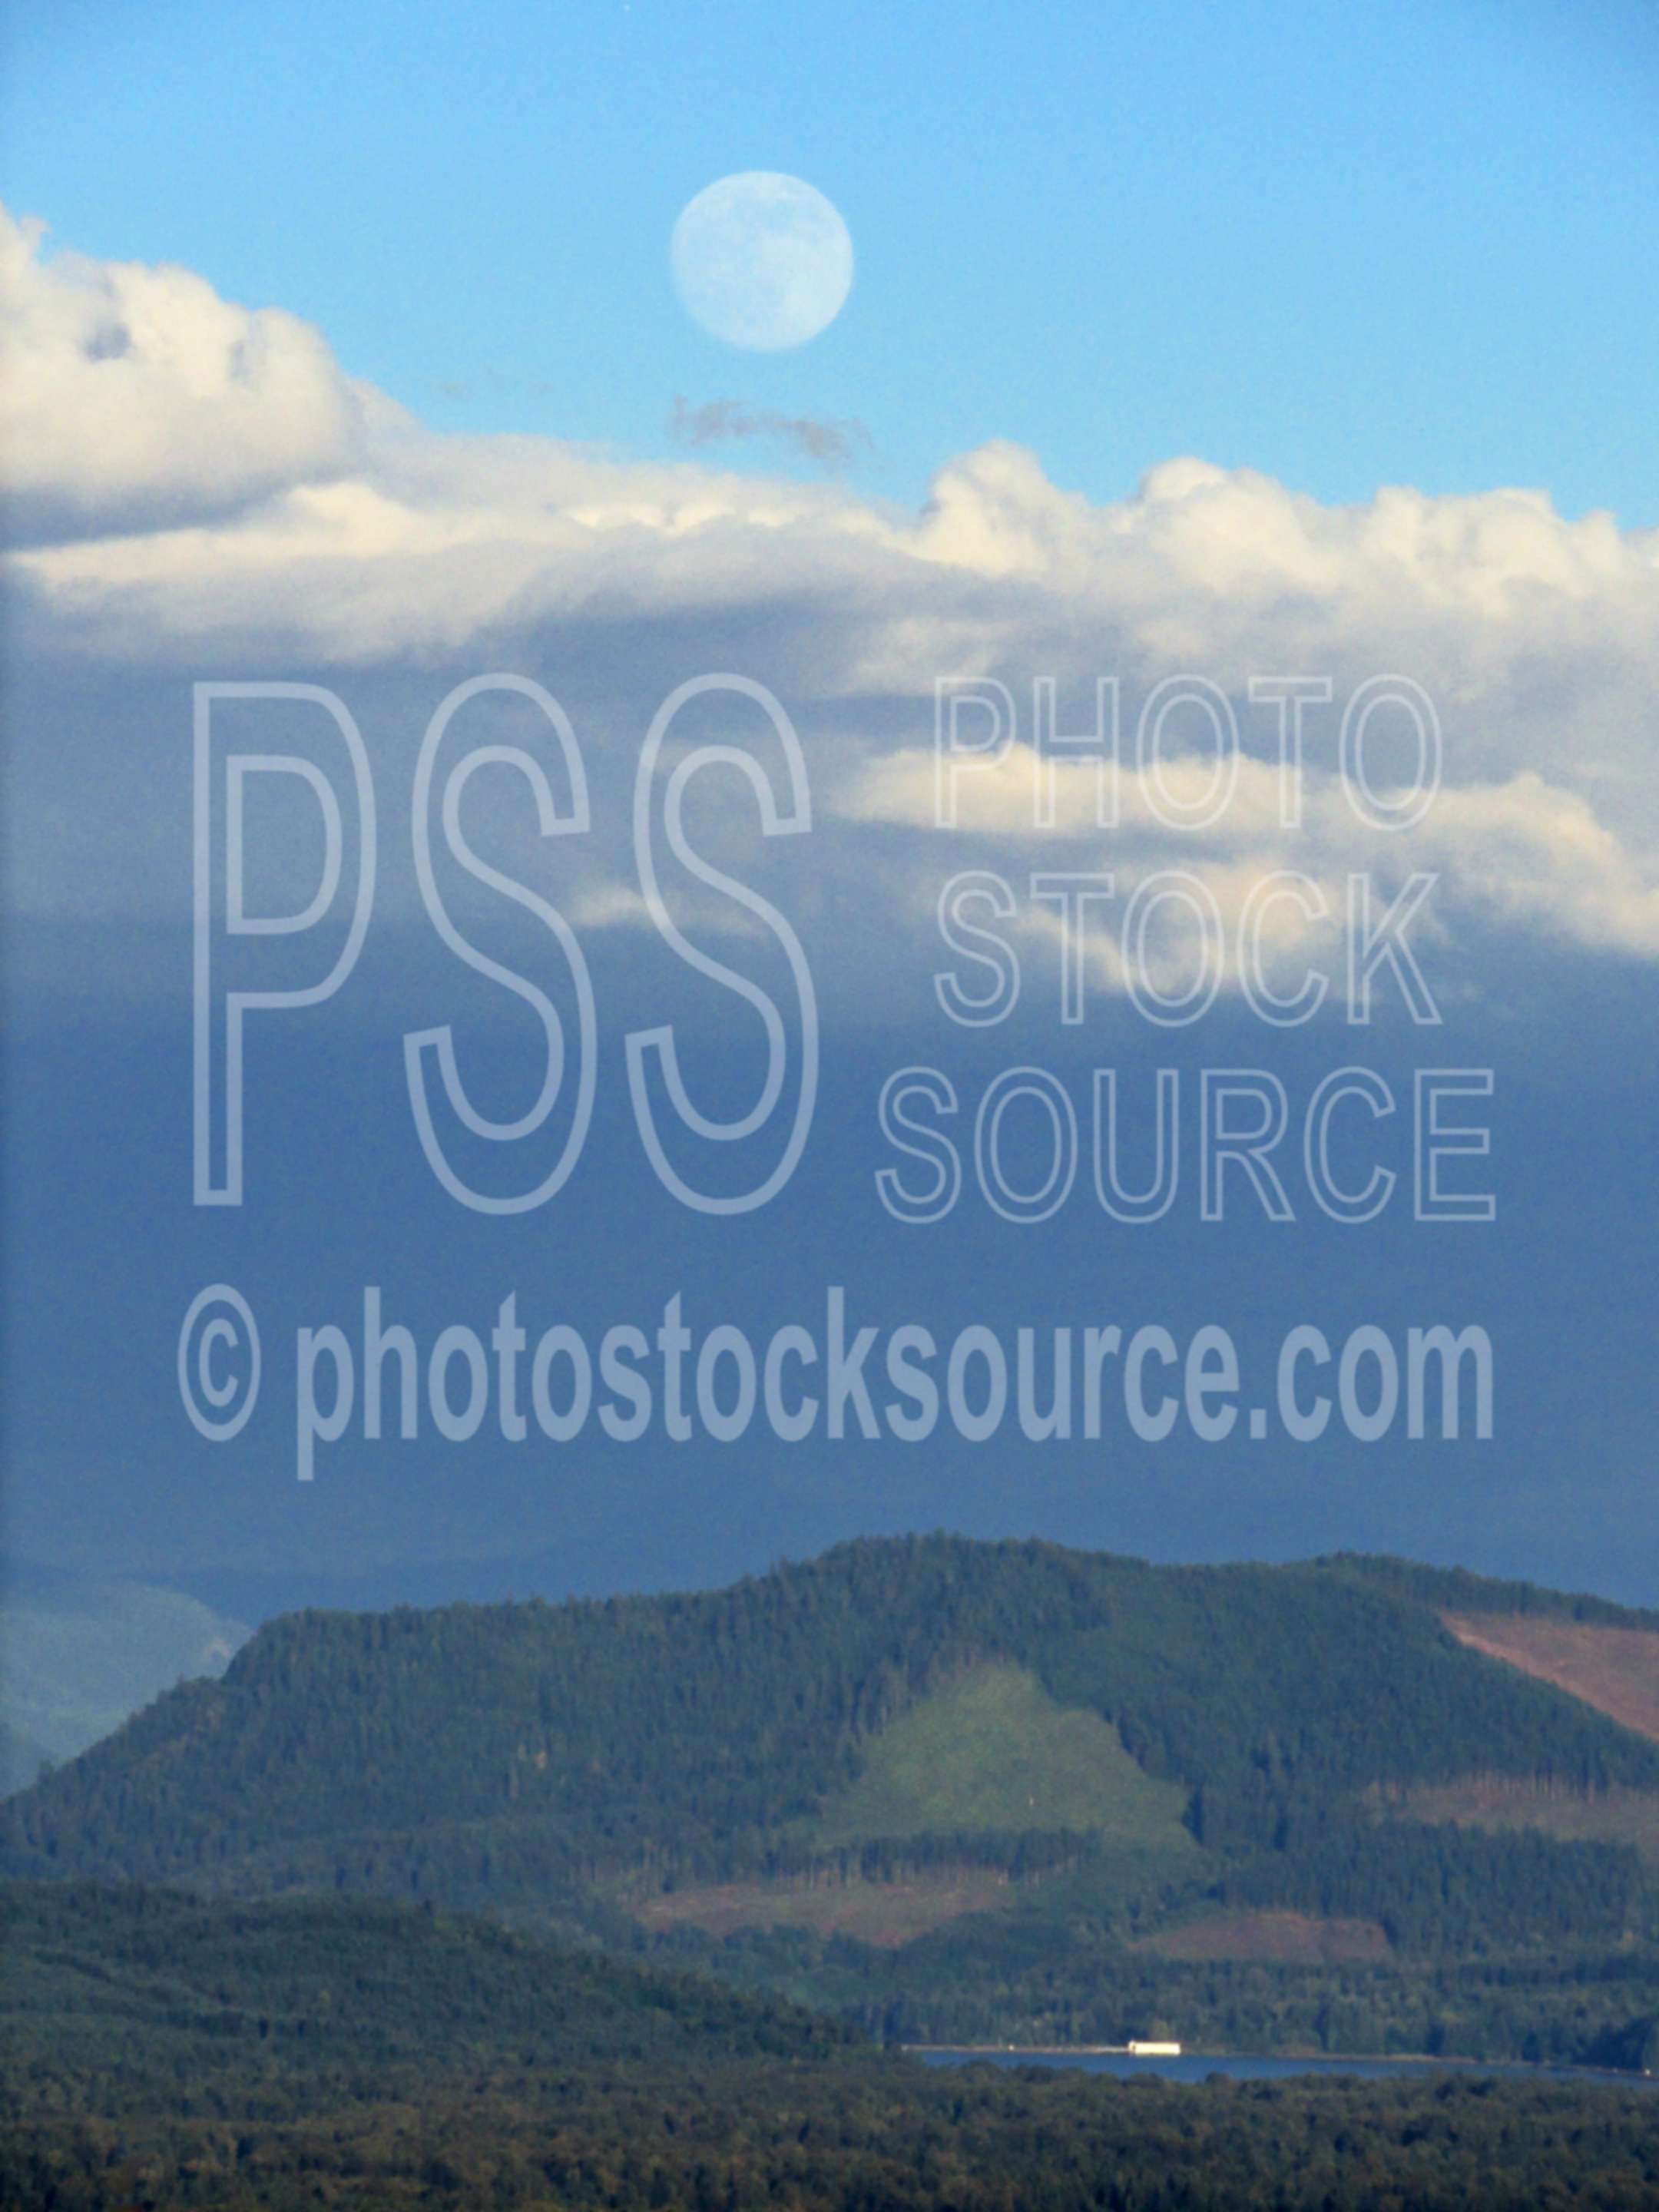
(1272, 1938)
(1550, 1808)
(1614, 1669)
(884, 1913)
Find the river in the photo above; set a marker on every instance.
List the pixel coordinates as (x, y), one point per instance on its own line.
(1197, 2066)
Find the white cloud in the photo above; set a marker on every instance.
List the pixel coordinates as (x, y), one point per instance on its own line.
(225, 495)
(129, 394)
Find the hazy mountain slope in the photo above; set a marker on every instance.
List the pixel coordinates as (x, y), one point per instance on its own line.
(78, 1657)
(21, 1759)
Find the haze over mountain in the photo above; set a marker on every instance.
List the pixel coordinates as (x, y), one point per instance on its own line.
(77, 1656)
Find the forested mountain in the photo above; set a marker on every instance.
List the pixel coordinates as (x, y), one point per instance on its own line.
(306, 1983)
(952, 1780)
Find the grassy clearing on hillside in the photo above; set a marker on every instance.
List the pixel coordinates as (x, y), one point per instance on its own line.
(1616, 1670)
(993, 1751)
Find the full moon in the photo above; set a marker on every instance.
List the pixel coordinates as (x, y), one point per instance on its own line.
(761, 260)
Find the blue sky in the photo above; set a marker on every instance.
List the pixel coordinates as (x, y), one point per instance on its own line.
(1327, 250)
(1346, 245)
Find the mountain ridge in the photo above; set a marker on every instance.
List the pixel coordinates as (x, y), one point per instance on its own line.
(1188, 1742)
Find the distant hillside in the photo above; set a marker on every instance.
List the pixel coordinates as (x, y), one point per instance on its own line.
(78, 1657)
(307, 1984)
(1026, 1754)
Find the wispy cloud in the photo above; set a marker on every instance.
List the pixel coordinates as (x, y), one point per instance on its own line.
(718, 422)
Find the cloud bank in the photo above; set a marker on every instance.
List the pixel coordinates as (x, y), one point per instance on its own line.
(197, 487)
